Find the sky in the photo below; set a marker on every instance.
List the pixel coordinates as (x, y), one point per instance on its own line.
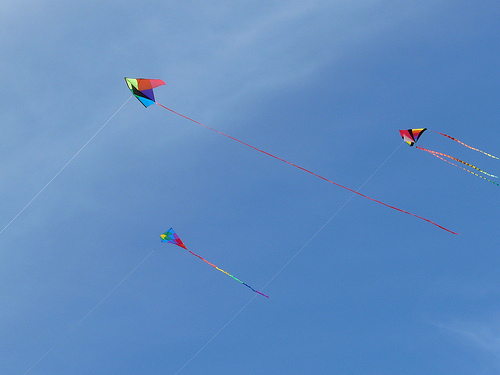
(86, 286)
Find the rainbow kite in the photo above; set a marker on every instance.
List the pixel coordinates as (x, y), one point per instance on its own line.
(411, 136)
(147, 98)
(171, 237)
(142, 89)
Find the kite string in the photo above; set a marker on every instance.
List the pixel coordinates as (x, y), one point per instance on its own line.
(331, 218)
(63, 168)
(289, 261)
(90, 311)
(217, 334)
(308, 171)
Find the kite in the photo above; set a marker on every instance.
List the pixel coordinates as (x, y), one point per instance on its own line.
(142, 89)
(134, 86)
(171, 237)
(411, 137)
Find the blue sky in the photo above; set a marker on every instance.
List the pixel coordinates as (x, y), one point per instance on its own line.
(325, 85)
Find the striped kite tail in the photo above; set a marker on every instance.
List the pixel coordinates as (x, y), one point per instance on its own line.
(456, 159)
(440, 156)
(466, 145)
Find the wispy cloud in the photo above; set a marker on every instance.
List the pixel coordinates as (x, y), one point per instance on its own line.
(483, 334)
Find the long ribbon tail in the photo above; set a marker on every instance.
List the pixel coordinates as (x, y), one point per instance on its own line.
(460, 161)
(466, 145)
(213, 265)
(308, 171)
(437, 154)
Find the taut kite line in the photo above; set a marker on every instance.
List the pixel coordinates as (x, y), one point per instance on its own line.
(142, 89)
(171, 237)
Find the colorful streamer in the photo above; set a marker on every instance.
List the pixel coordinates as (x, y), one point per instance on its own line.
(460, 161)
(465, 169)
(472, 148)
(171, 237)
(307, 170)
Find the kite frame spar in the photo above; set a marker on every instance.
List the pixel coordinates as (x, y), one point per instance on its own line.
(287, 162)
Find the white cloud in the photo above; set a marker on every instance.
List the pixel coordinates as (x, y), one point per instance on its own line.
(480, 339)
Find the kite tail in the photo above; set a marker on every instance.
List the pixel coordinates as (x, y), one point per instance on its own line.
(306, 170)
(437, 154)
(213, 265)
(472, 148)
(460, 161)
(256, 291)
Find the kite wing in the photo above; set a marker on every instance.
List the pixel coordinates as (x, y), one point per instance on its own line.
(142, 89)
(411, 136)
